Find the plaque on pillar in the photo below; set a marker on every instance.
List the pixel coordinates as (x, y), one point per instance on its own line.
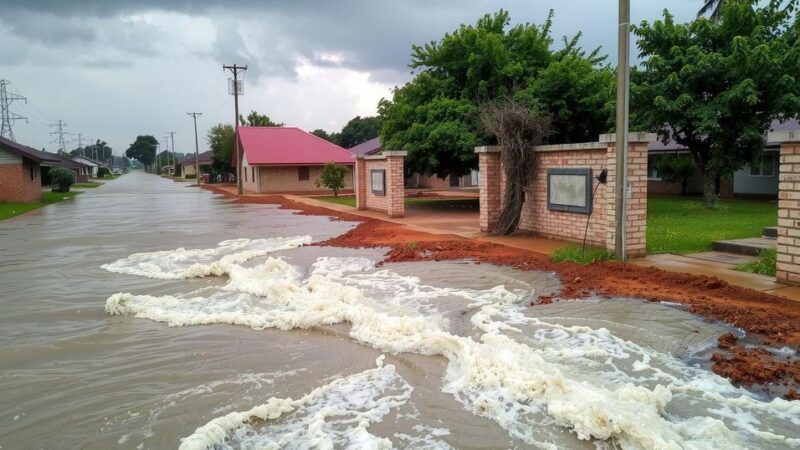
(569, 190)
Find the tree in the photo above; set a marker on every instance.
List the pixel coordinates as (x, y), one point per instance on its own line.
(143, 150)
(332, 177)
(357, 130)
(220, 139)
(715, 86)
(676, 169)
(435, 117)
(715, 6)
(255, 119)
(61, 179)
(517, 129)
(332, 137)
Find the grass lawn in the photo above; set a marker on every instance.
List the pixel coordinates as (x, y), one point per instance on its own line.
(14, 209)
(88, 185)
(411, 201)
(683, 225)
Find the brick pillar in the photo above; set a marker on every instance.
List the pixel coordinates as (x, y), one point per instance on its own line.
(491, 191)
(788, 266)
(636, 204)
(395, 180)
(360, 181)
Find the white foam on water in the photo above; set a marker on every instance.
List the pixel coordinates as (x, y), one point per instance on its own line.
(182, 263)
(336, 415)
(528, 375)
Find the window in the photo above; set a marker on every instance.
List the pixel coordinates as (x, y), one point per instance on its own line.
(33, 172)
(652, 162)
(765, 167)
(244, 170)
(302, 174)
(253, 173)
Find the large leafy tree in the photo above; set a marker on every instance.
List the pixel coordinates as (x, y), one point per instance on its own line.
(357, 130)
(435, 116)
(255, 119)
(143, 149)
(220, 139)
(330, 137)
(715, 86)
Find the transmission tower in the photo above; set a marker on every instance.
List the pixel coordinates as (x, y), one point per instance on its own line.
(6, 116)
(59, 133)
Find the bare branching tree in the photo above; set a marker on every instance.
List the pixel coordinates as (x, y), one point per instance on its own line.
(518, 129)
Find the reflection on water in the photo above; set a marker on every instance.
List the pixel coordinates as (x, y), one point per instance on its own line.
(286, 340)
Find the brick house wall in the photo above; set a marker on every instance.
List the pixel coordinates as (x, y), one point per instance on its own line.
(287, 179)
(20, 182)
(788, 264)
(538, 219)
(393, 200)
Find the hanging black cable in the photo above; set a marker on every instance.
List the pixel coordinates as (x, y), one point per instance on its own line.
(601, 179)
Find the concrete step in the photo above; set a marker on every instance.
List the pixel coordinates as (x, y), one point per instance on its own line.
(770, 232)
(748, 246)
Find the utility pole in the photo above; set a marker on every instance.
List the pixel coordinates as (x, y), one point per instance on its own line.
(235, 88)
(166, 147)
(80, 143)
(174, 158)
(623, 87)
(59, 133)
(196, 148)
(6, 116)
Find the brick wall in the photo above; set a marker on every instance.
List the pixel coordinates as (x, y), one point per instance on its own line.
(16, 184)
(392, 202)
(286, 179)
(538, 219)
(788, 265)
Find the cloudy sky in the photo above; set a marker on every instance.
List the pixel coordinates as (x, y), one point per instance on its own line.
(113, 69)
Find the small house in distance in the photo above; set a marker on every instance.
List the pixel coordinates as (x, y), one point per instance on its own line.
(20, 171)
(287, 159)
(204, 159)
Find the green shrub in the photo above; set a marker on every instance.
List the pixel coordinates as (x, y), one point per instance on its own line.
(61, 179)
(765, 265)
(576, 253)
(332, 177)
(102, 172)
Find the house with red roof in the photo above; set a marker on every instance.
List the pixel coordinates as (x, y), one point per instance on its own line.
(287, 159)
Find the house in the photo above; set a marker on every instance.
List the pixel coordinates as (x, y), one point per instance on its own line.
(20, 172)
(753, 180)
(417, 180)
(82, 171)
(204, 159)
(287, 159)
(94, 164)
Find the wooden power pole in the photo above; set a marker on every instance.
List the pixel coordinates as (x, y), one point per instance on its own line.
(196, 148)
(235, 89)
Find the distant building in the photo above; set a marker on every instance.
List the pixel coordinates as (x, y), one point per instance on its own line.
(93, 164)
(287, 159)
(205, 160)
(82, 171)
(20, 172)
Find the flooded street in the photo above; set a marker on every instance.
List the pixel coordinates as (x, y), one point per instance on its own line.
(149, 314)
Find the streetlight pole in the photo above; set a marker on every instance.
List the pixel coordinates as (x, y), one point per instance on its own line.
(196, 148)
(623, 88)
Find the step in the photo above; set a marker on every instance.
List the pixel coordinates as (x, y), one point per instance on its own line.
(770, 232)
(748, 246)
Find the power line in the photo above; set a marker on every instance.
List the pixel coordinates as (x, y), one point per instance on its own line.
(6, 116)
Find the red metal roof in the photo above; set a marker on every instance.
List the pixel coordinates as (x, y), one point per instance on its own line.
(289, 146)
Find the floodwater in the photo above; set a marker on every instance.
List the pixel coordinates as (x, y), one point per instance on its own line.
(149, 314)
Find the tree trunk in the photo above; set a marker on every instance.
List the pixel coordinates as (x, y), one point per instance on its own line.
(335, 192)
(709, 190)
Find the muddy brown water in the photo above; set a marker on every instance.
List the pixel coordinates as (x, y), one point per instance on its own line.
(74, 376)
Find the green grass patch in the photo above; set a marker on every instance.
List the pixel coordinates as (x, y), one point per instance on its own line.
(89, 185)
(576, 253)
(347, 201)
(14, 209)
(683, 225)
(765, 265)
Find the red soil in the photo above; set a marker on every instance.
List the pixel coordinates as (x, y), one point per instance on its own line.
(775, 320)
